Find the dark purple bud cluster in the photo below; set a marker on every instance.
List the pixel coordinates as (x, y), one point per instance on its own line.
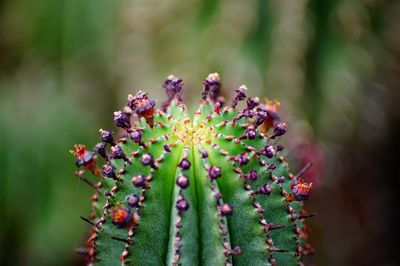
(139, 181)
(280, 179)
(118, 153)
(240, 95)
(133, 200)
(250, 133)
(272, 166)
(182, 205)
(122, 119)
(242, 159)
(174, 87)
(214, 172)
(211, 86)
(252, 103)
(261, 116)
(279, 129)
(147, 159)
(107, 136)
(108, 171)
(252, 175)
(182, 181)
(204, 154)
(265, 189)
(268, 151)
(136, 136)
(100, 148)
(245, 113)
(141, 104)
(184, 164)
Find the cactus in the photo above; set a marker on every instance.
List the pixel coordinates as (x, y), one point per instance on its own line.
(211, 190)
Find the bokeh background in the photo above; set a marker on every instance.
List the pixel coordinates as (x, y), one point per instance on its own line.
(65, 65)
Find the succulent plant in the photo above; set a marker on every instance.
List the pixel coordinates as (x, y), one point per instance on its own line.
(209, 190)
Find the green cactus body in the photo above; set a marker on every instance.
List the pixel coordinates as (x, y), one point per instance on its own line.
(208, 190)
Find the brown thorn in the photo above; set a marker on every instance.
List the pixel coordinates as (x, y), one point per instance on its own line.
(127, 241)
(275, 226)
(87, 181)
(306, 216)
(88, 221)
(301, 173)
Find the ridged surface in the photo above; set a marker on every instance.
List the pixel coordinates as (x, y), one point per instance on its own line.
(212, 192)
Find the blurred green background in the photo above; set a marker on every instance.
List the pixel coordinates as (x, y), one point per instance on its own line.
(65, 65)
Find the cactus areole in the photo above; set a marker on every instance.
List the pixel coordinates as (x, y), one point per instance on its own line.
(211, 189)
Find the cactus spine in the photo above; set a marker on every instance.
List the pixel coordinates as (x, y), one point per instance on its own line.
(212, 190)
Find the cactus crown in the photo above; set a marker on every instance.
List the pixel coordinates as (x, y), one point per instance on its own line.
(212, 190)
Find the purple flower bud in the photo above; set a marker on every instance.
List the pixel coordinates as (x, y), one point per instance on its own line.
(262, 116)
(182, 205)
(280, 129)
(281, 179)
(247, 113)
(167, 148)
(184, 164)
(240, 95)
(106, 136)
(173, 86)
(133, 100)
(122, 119)
(252, 103)
(272, 166)
(225, 209)
(133, 200)
(108, 171)
(182, 181)
(251, 133)
(242, 159)
(141, 104)
(147, 108)
(252, 175)
(147, 159)
(211, 85)
(265, 189)
(204, 154)
(117, 152)
(101, 149)
(107, 193)
(268, 151)
(214, 172)
(136, 136)
(139, 181)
